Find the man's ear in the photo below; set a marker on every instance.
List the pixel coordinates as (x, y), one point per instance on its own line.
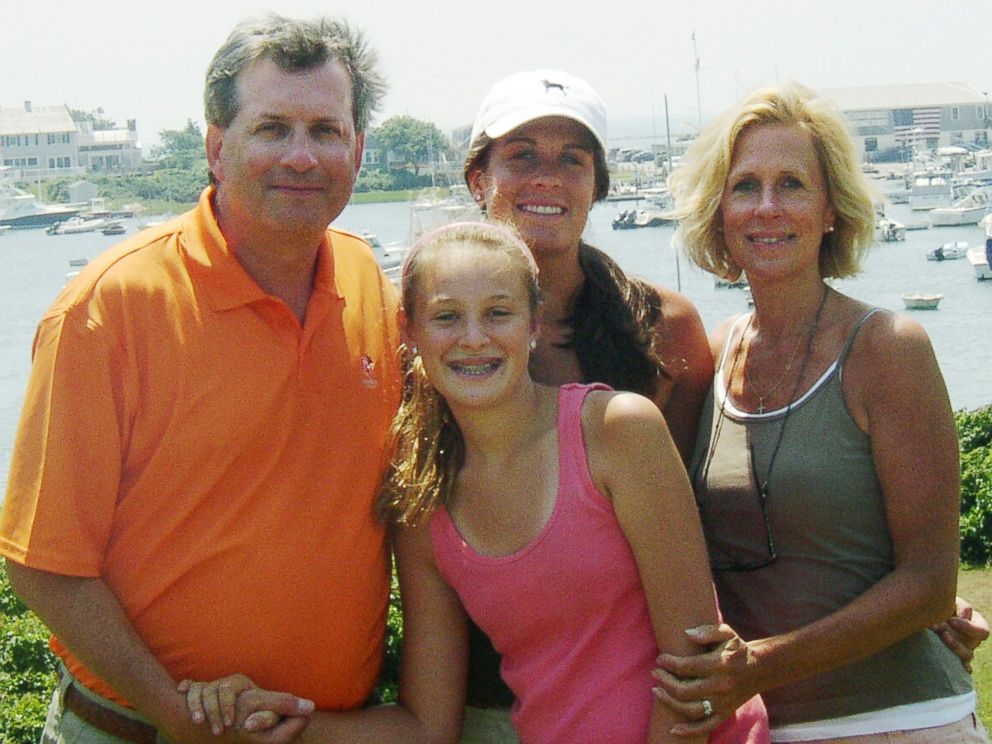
(215, 143)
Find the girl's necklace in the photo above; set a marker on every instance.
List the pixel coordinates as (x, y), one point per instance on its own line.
(788, 365)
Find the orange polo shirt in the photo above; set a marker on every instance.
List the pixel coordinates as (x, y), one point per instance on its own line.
(185, 439)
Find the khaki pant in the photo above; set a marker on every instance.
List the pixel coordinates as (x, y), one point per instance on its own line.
(65, 727)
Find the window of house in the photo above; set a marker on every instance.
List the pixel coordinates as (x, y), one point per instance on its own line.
(871, 144)
(955, 113)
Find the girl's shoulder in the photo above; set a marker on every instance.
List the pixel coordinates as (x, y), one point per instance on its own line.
(611, 417)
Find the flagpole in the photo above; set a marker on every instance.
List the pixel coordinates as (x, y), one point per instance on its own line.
(695, 55)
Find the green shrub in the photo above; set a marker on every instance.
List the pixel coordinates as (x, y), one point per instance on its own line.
(975, 436)
(27, 669)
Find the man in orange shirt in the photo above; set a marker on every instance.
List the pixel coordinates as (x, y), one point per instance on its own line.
(202, 438)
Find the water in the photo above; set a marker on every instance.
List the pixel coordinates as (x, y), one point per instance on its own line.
(33, 268)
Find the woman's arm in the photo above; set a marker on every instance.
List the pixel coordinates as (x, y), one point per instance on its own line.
(895, 393)
(681, 341)
(635, 462)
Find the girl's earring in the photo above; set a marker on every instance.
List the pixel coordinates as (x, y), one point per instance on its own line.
(414, 350)
(533, 344)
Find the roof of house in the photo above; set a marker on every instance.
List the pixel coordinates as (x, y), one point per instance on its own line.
(912, 95)
(39, 120)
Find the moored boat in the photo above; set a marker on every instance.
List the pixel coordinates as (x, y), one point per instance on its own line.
(949, 251)
(113, 228)
(967, 211)
(979, 261)
(76, 225)
(21, 210)
(888, 231)
(921, 301)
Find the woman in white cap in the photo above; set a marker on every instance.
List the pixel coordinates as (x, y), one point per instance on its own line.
(537, 159)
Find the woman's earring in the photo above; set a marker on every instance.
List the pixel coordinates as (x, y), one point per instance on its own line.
(830, 229)
(414, 350)
(533, 344)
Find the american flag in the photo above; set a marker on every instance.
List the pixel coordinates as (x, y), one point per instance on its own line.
(907, 121)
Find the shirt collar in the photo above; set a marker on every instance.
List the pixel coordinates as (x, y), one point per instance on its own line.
(218, 273)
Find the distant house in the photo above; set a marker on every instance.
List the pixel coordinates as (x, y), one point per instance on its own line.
(45, 141)
(925, 116)
(109, 149)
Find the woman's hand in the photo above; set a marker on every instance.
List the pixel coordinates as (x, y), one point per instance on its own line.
(964, 632)
(709, 687)
(236, 700)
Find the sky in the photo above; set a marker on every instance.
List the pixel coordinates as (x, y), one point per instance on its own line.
(146, 61)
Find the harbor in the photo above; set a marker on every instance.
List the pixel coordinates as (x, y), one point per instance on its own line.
(34, 266)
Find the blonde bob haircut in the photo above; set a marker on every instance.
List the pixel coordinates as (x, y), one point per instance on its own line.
(697, 185)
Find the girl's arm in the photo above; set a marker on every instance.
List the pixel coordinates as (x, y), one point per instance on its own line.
(895, 393)
(635, 463)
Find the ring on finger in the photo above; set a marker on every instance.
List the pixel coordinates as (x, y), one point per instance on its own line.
(707, 708)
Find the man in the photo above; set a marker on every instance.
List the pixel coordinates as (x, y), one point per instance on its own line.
(202, 438)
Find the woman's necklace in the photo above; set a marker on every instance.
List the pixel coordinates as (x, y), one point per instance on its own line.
(788, 365)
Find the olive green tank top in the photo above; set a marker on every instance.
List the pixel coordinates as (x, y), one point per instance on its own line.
(826, 516)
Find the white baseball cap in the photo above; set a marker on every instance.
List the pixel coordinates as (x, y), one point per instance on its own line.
(526, 96)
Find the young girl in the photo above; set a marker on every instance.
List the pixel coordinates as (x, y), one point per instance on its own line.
(560, 519)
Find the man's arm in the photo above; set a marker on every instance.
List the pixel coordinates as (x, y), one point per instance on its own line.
(88, 618)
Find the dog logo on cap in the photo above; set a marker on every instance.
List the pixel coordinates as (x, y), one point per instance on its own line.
(548, 85)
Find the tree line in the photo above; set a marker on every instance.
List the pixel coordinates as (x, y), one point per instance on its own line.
(404, 153)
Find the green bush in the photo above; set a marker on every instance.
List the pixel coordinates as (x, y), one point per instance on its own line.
(975, 435)
(27, 669)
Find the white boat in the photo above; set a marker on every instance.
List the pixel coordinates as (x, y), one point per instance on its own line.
(921, 301)
(888, 231)
(968, 211)
(949, 251)
(19, 209)
(986, 224)
(980, 263)
(930, 189)
(76, 225)
(5, 228)
(630, 218)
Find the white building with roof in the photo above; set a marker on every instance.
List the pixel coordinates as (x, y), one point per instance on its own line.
(109, 149)
(45, 141)
(924, 116)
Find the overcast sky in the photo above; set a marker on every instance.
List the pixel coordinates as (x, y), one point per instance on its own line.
(146, 61)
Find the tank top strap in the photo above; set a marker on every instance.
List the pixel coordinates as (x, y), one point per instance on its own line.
(571, 443)
(719, 388)
(853, 334)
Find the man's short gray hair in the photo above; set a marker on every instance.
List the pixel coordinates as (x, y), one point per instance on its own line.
(293, 45)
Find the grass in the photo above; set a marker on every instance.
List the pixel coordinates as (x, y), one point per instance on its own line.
(975, 585)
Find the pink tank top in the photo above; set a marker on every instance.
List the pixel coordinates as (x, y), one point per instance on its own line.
(568, 613)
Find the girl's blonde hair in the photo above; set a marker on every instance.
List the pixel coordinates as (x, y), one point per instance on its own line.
(697, 185)
(427, 445)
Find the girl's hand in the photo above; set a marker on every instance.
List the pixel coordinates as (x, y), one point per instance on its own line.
(217, 704)
(964, 632)
(709, 687)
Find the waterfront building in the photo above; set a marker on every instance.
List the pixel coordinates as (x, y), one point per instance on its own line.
(916, 117)
(45, 141)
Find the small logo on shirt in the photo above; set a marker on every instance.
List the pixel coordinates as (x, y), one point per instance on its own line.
(368, 368)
